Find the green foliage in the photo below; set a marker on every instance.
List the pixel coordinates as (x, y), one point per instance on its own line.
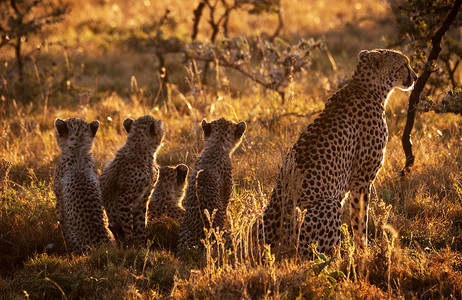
(322, 268)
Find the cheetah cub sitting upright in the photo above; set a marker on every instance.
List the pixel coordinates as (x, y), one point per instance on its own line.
(127, 181)
(341, 151)
(168, 193)
(211, 183)
(78, 196)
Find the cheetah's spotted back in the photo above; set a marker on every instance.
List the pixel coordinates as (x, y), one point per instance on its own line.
(127, 181)
(211, 183)
(78, 195)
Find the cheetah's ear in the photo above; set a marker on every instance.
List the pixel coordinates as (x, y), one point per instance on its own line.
(362, 55)
(181, 173)
(94, 127)
(157, 128)
(207, 128)
(61, 128)
(240, 128)
(373, 58)
(127, 124)
(376, 59)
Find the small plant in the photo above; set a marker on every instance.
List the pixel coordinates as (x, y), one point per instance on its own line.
(322, 267)
(276, 68)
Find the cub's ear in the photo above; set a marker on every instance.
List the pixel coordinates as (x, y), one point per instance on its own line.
(127, 124)
(160, 130)
(207, 128)
(94, 127)
(152, 129)
(181, 173)
(61, 128)
(240, 128)
(157, 128)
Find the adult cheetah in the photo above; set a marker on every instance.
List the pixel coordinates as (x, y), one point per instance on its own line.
(341, 151)
(127, 181)
(211, 183)
(168, 193)
(79, 206)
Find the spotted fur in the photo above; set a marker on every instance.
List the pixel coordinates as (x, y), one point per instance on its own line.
(341, 151)
(79, 206)
(127, 181)
(211, 183)
(168, 193)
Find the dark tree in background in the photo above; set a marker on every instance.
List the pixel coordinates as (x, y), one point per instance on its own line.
(20, 19)
(219, 13)
(226, 7)
(425, 31)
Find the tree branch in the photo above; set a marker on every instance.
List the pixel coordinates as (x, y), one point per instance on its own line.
(197, 18)
(420, 84)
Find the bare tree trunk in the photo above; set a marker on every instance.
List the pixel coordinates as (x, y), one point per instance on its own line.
(17, 49)
(280, 23)
(451, 71)
(197, 18)
(420, 84)
(17, 46)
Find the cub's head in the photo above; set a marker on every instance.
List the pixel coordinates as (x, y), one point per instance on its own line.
(223, 133)
(173, 178)
(389, 66)
(145, 132)
(75, 134)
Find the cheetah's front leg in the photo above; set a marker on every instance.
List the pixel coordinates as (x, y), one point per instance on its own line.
(139, 218)
(359, 202)
(121, 216)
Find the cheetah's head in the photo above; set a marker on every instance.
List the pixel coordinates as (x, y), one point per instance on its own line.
(391, 67)
(145, 132)
(174, 177)
(75, 135)
(223, 132)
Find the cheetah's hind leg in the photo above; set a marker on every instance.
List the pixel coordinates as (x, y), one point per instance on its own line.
(321, 226)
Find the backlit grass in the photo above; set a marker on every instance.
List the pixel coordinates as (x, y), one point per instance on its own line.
(92, 70)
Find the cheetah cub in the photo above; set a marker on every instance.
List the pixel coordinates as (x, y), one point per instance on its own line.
(341, 151)
(168, 193)
(211, 183)
(78, 196)
(127, 181)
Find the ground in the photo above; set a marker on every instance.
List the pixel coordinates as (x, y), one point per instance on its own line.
(99, 74)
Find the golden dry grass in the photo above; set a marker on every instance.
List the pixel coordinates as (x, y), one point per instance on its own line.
(415, 224)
